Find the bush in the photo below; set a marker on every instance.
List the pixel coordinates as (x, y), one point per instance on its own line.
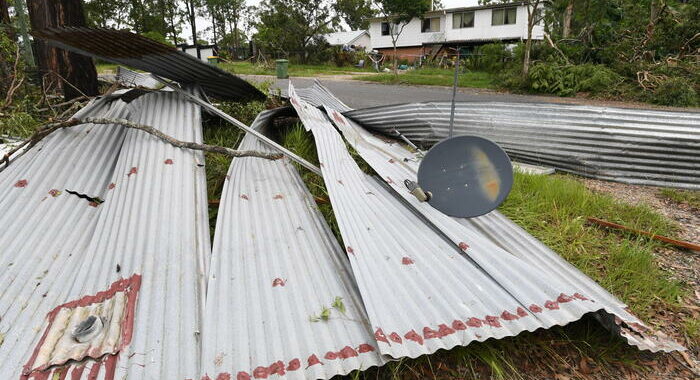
(675, 92)
(492, 57)
(570, 79)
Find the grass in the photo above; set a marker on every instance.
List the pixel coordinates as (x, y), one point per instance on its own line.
(689, 197)
(554, 209)
(295, 70)
(433, 76)
(103, 68)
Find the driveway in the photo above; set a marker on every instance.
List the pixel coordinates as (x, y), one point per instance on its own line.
(361, 94)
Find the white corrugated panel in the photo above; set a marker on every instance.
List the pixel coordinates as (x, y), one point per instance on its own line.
(447, 292)
(275, 267)
(132, 78)
(391, 160)
(532, 259)
(659, 148)
(152, 223)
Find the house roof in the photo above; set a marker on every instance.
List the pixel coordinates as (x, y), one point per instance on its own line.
(461, 9)
(344, 38)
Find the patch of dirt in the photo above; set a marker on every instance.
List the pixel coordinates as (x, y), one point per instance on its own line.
(681, 264)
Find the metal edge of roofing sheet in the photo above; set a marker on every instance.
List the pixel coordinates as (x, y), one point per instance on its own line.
(391, 160)
(275, 267)
(45, 230)
(136, 51)
(402, 263)
(132, 78)
(633, 146)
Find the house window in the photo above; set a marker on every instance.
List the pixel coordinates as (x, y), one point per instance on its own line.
(462, 20)
(431, 25)
(385, 29)
(504, 16)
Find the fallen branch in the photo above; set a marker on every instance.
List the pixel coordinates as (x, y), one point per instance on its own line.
(185, 144)
(677, 243)
(555, 47)
(47, 129)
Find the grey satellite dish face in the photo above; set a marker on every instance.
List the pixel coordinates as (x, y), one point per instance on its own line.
(466, 176)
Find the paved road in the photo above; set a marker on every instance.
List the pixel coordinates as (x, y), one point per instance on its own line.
(360, 94)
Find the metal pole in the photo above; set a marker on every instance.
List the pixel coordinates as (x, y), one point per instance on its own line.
(240, 125)
(454, 94)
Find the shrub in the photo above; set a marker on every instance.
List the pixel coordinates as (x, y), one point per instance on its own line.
(675, 92)
(568, 80)
(492, 57)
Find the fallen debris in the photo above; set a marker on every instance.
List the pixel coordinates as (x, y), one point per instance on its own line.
(47, 129)
(677, 243)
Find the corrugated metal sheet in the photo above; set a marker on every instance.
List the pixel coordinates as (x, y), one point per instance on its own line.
(627, 145)
(139, 52)
(132, 78)
(450, 289)
(152, 227)
(275, 267)
(394, 164)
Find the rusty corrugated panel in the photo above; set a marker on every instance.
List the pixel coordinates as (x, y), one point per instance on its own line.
(276, 267)
(425, 290)
(139, 52)
(659, 148)
(137, 261)
(394, 164)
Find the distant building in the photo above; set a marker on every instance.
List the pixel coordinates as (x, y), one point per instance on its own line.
(204, 50)
(357, 38)
(467, 26)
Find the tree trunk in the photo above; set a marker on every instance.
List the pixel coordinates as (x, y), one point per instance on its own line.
(76, 69)
(192, 16)
(531, 15)
(5, 19)
(396, 66)
(568, 14)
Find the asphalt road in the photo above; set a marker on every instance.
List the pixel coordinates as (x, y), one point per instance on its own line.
(360, 94)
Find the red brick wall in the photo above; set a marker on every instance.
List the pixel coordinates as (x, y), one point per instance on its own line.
(409, 53)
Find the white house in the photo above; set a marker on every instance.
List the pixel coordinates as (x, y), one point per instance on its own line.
(467, 26)
(358, 38)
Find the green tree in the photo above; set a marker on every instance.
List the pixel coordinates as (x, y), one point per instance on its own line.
(293, 27)
(356, 13)
(398, 13)
(535, 14)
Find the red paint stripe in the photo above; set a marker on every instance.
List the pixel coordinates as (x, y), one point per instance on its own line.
(110, 366)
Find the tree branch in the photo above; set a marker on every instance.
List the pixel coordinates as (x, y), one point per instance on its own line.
(47, 129)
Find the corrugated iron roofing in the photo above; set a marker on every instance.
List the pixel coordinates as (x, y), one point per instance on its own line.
(627, 145)
(136, 51)
(58, 247)
(394, 164)
(132, 78)
(275, 267)
(451, 289)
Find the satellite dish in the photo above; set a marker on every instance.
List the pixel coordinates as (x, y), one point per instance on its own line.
(466, 176)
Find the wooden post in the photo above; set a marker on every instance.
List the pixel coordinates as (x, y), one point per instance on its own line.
(76, 69)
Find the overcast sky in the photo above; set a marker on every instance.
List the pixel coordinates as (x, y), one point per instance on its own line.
(203, 24)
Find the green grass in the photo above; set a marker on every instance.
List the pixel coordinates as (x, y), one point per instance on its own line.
(106, 68)
(554, 209)
(689, 197)
(432, 76)
(295, 70)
